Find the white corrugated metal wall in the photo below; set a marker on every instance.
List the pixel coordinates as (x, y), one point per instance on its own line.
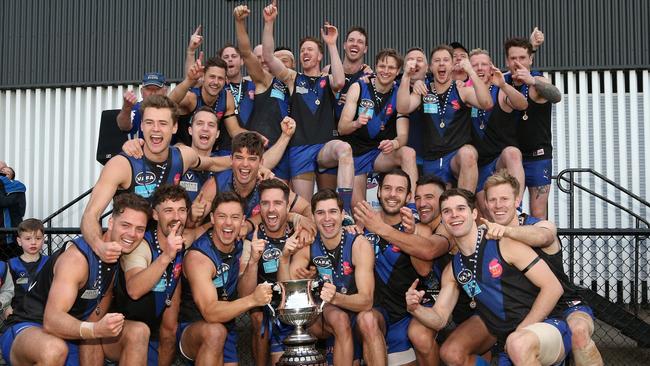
(50, 137)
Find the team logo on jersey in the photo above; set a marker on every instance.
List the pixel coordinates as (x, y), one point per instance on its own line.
(176, 272)
(322, 261)
(223, 269)
(271, 254)
(347, 268)
(219, 115)
(464, 276)
(323, 83)
(366, 104)
(373, 238)
(177, 178)
(429, 99)
(189, 176)
(145, 177)
(495, 268)
(389, 109)
(455, 105)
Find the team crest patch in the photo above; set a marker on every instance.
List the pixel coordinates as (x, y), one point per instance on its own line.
(496, 270)
(177, 178)
(322, 83)
(177, 270)
(347, 269)
(389, 110)
(455, 105)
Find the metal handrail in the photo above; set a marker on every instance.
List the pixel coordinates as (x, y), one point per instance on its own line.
(56, 213)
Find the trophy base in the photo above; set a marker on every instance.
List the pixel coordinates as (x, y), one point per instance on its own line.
(302, 355)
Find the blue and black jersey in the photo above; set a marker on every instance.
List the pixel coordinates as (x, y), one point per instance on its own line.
(335, 266)
(444, 133)
(150, 307)
(225, 184)
(394, 274)
(147, 176)
(225, 279)
(219, 107)
(193, 180)
(243, 95)
(340, 96)
(268, 265)
(269, 110)
(23, 274)
(100, 278)
(312, 106)
(382, 125)
(136, 122)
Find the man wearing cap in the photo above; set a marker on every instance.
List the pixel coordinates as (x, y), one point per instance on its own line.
(129, 118)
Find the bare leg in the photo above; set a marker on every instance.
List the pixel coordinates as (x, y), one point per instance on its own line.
(539, 201)
(326, 181)
(372, 330)
(260, 341)
(34, 346)
(338, 153)
(303, 185)
(424, 343)
(131, 346)
(523, 348)
(404, 158)
(584, 350)
(464, 167)
(204, 343)
(359, 190)
(511, 160)
(469, 339)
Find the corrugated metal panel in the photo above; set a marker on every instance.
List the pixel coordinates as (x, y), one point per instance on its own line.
(77, 42)
(50, 138)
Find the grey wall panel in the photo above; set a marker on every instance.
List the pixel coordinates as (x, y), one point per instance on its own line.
(79, 42)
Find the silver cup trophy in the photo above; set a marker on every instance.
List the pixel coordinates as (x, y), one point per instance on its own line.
(299, 306)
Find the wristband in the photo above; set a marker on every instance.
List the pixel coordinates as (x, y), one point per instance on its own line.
(87, 330)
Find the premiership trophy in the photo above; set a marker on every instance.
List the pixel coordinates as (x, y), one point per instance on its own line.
(299, 306)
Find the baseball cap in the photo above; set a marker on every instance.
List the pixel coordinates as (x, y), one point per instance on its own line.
(153, 78)
(455, 45)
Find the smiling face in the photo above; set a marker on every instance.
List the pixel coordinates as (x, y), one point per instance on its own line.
(426, 202)
(273, 209)
(227, 219)
(127, 229)
(245, 166)
(386, 70)
(213, 81)
(329, 218)
(157, 127)
(355, 46)
(502, 203)
(169, 214)
(204, 130)
(457, 216)
(310, 55)
(482, 65)
(393, 193)
(420, 64)
(441, 66)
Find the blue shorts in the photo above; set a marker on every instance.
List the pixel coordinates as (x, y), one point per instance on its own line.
(538, 172)
(222, 153)
(484, 172)
(364, 164)
(283, 169)
(561, 326)
(280, 333)
(440, 167)
(303, 159)
(578, 307)
(229, 349)
(396, 339)
(10, 334)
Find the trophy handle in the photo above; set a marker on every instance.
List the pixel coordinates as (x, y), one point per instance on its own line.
(277, 288)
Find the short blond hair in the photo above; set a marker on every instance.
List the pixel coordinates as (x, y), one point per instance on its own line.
(502, 177)
(479, 51)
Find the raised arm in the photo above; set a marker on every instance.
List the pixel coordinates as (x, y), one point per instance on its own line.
(191, 160)
(276, 66)
(337, 75)
(248, 279)
(509, 97)
(407, 102)
(195, 42)
(478, 95)
(540, 88)
(187, 101)
(347, 123)
(255, 70)
(436, 317)
(124, 122)
(274, 154)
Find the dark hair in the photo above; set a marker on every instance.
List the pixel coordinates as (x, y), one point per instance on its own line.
(518, 42)
(440, 47)
(282, 48)
(274, 184)
(170, 192)
(312, 39)
(30, 225)
(323, 195)
(252, 141)
(132, 201)
(389, 52)
(160, 102)
(228, 45)
(395, 171)
(216, 62)
(225, 197)
(431, 179)
(204, 108)
(467, 195)
(359, 29)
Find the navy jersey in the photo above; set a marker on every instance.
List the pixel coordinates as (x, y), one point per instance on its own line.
(23, 274)
(335, 265)
(193, 180)
(100, 277)
(243, 95)
(556, 264)
(224, 280)
(147, 176)
(446, 122)
(269, 110)
(312, 106)
(340, 96)
(267, 266)
(136, 121)
(381, 108)
(150, 307)
(225, 184)
(394, 274)
(503, 294)
(534, 126)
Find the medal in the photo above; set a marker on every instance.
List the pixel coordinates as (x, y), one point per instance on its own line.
(382, 127)
(472, 304)
(482, 126)
(98, 310)
(344, 290)
(317, 102)
(525, 116)
(236, 111)
(442, 124)
(168, 301)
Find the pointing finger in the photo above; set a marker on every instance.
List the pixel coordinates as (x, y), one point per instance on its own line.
(197, 32)
(414, 284)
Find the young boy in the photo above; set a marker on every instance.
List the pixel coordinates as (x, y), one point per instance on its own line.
(24, 268)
